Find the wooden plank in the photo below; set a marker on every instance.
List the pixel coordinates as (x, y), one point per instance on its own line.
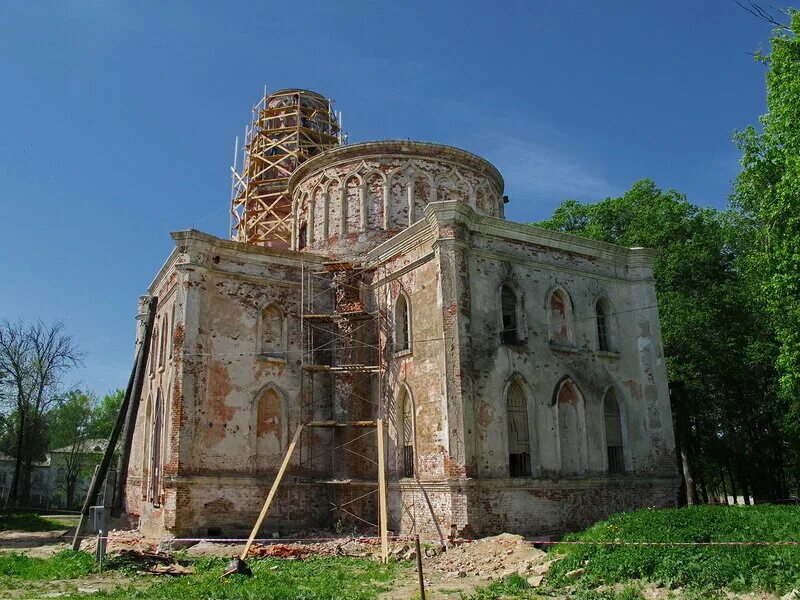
(382, 496)
(340, 424)
(272, 491)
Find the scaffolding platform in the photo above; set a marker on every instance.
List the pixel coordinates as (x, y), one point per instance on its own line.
(342, 424)
(356, 315)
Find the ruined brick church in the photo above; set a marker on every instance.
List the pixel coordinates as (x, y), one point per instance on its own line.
(517, 373)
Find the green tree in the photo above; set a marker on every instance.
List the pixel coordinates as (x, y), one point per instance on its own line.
(33, 358)
(105, 415)
(71, 430)
(768, 191)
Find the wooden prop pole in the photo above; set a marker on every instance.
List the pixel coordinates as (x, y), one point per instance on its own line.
(382, 495)
(272, 491)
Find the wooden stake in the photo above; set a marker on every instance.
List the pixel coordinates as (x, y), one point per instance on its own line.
(419, 568)
(382, 495)
(272, 491)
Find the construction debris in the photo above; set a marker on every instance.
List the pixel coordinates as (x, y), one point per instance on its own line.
(493, 557)
(148, 563)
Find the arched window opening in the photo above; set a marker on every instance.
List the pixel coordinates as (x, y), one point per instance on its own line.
(604, 314)
(406, 434)
(519, 444)
(602, 327)
(508, 300)
(614, 445)
(571, 428)
(302, 237)
(147, 448)
(162, 350)
(153, 350)
(172, 330)
(155, 452)
(560, 317)
(269, 429)
(402, 325)
(272, 330)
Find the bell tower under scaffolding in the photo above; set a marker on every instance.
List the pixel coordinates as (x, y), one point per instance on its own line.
(288, 127)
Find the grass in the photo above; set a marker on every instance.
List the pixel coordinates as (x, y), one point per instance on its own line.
(273, 579)
(517, 587)
(64, 565)
(736, 568)
(28, 522)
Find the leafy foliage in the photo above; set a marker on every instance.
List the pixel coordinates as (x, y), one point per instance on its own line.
(768, 191)
(105, 413)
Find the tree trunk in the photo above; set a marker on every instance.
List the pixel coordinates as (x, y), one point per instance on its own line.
(682, 430)
(724, 486)
(70, 492)
(734, 491)
(703, 488)
(13, 493)
(745, 490)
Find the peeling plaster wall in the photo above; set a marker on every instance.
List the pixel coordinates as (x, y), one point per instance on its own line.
(220, 458)
(353, 198)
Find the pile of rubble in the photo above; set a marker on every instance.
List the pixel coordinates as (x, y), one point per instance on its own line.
(490, 558)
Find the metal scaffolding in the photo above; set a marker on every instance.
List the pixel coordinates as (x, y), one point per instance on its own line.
(288, 128)
(343, 383)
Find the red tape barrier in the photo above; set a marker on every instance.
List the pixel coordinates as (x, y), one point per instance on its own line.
(376, 540)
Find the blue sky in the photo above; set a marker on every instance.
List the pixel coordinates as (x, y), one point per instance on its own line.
(118, 119)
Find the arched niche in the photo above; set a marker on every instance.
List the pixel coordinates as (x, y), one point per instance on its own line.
(571, 417)
(271, 428)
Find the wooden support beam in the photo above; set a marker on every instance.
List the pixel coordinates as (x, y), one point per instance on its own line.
(135, 394)
(382, 495)
(272, 491)
(102, 469)
(341, 424)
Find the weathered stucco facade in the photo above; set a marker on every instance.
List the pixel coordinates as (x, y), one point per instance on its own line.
(520, 371)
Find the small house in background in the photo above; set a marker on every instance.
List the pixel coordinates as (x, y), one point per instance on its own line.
(61, 480)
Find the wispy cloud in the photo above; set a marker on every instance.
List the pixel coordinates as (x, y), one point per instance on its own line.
(538, 171)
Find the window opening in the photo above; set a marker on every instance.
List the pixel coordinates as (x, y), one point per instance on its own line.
(602, 327)
(401, 324)
(302, 237)
(614, 447)
(519, 445)
(155, 453)
(508, 301)
(407, 435)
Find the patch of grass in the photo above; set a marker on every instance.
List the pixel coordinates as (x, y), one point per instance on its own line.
(737, 568)
(28, 522)
(510, 587)
(64, 565)
(273, 579)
